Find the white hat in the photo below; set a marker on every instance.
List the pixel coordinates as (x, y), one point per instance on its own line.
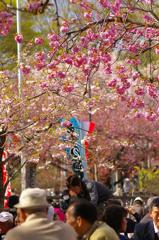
(32, 198)
(138, 199)
(6, 216)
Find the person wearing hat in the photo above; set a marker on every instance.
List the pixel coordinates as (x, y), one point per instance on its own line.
(149, 230)
(6, 223)
(138, 209)
(34, 224)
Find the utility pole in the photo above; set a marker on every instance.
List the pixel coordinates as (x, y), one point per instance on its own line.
(89, 96)
(19, 48)
(19, 45)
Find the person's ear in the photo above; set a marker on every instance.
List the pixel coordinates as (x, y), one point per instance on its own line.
(79, 221)
(23, 214)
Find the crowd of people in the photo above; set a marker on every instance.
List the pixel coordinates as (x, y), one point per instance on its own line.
(88, 211)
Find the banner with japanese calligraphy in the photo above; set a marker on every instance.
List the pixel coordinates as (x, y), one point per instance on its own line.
(78, 154)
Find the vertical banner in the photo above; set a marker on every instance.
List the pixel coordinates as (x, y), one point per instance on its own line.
(78, 154)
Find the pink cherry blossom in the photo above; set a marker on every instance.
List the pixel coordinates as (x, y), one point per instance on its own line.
(86, 69)
(120, 90)
(79, 61)
(53, 64)
(51, 75)
(152, 91)
(68, 60)
(84, 42)
(133, 48)
(112, 83)
(134, 62)
(116, 7)
(6, 22)
(34, 6)
(61, 74)
(148, 18)
(54, 44)
(108, 69)
(75, 49)
(135, 75)
(105, 58)
(44, 85)
(64, 27)
(126, 85)
(140, 91)
(68, 89)
(136, 103)
(87, 15)
(39, 41)
(139, 115)
(40, 56)
(19, 38)
(40, 65)
(152, 117)
(53, 37)
(104, 3)
(25, 69)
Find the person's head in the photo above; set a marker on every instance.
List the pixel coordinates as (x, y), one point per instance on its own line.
(154, 211)
(32, 200)
(74, 184)
(6, 222)
(138, 201)
(12, 200)
(115, 217)
(81, 215)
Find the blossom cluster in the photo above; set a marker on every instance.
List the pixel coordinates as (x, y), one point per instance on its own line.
(6, 21)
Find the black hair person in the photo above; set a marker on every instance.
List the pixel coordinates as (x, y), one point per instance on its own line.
(74, 182)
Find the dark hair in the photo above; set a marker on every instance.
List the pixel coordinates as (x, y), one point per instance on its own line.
(12, 200)
(85, 210)
(114, 201)
(154, 203)
(114, 215)
(73, 181)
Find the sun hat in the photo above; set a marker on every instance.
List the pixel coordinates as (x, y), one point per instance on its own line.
(32, 198)
(6, 216)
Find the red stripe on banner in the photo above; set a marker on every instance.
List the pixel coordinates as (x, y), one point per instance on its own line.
(91, 127)
(90, 131)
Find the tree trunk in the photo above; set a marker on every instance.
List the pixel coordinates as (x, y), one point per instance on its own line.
(31, 175)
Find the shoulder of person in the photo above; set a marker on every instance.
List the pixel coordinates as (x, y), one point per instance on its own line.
(66, 228)
(140, 227)
(104, 232)
(14, 234)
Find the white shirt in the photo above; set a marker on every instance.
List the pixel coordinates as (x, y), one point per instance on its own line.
(156, 229)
